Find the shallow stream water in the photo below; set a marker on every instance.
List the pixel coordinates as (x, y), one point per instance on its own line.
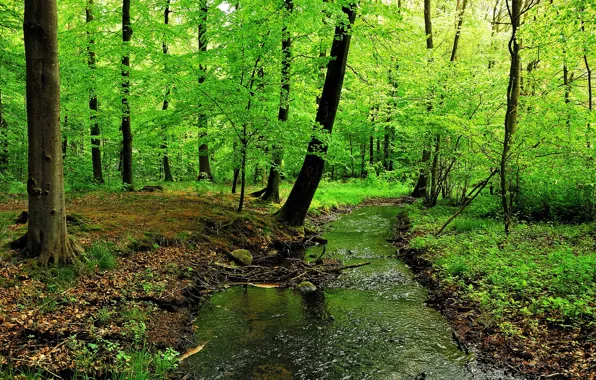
(371, 323)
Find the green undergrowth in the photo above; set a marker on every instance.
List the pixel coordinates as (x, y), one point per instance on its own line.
(540, 272)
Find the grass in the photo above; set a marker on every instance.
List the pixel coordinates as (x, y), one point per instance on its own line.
(101, 255)
(541, 271)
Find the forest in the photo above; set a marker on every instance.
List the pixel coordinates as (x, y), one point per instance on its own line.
(229, 189)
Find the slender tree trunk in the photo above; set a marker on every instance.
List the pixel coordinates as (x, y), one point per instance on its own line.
(433, 194)
(460, 21)
(421, 184)
(164, 146)
(294, 211)
(567, 78)
(362, 160)
(513, 92)
(589, 72)
(126, 129)
(371, 158)
(46, 237)
(204, 164)
(3, 139)
(93, 104)
(243, 151)
(272, 192)
(386, 150)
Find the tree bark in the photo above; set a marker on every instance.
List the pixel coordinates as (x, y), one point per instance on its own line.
(46, 236)
(294, 211)
(93, 104)
(126, 128)
(513, 92)
(164, 146)
(272, 191)
(204, 164)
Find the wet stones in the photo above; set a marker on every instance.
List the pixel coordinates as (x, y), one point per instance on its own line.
(305, 287)
(242, 256)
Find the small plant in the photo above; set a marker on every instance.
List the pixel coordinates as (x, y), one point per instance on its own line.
(102, 256)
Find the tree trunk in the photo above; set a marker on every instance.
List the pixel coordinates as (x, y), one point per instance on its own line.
(386, 149)
(126, 129)
(296, 207)
(433, 194)
(3, 139)
(93, 105)
(164, 146)
(460, 21)
(204, 164)
(421, 184)
(513, 92)
(46, 237)
(371, 159)
(243, 172)
(272, 191)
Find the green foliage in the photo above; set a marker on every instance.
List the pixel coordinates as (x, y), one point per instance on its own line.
(101, 254)
(334, 194)
(546, 270)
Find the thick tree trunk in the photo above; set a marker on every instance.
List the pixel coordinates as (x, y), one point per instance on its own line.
(513, 92)
(296, 207)
(3, 139)
(164, 146)
(272, 191)
(93, 104)
(421, 185)
(204, 164)
(126, 129)
(46, 236)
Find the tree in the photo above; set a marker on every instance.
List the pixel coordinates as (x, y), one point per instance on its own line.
(3, 139)
(272, 189)
(93, 104)
(125, 126)
(513, 92)
(421, 185)
(46, 236)
(204, 165)
(166, 159)
(294, 211)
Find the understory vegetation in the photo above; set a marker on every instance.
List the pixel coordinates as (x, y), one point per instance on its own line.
(531, 288)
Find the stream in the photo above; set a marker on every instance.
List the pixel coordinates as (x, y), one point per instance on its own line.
(371, 323)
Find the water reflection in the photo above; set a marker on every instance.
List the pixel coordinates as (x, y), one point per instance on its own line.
(370, 324)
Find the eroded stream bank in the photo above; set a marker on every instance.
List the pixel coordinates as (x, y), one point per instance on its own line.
(372, 322)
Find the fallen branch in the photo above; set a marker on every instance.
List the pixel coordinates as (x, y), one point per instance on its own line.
(471, 196)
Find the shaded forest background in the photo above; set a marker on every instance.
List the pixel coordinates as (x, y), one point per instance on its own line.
(400, 99)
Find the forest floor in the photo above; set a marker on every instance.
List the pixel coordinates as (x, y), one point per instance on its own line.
(526, 301)
(128, 308)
